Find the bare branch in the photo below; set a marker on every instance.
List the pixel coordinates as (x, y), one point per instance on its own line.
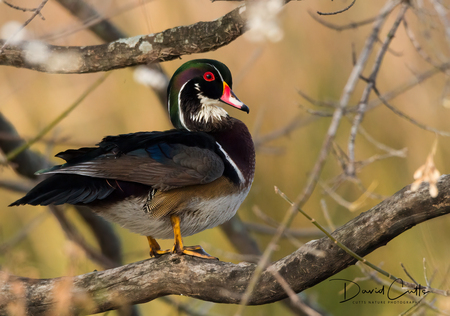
(146, 280)
(36, 11)
(442, 68)
(138, 50)
(443, 16)
(292, 295)
(108, 32)
(408, 118)
(295, 123)
(337, 12)
(238, 235)
(91, 19)
(23, 233)
(343, 103)
(299, 233)
(353, 25)
(22, 8)
(362, 107)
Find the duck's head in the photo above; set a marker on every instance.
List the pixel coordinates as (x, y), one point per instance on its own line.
(196, 93)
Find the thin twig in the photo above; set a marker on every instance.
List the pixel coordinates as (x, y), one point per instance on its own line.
(415, 306)
(337, 12)
(356, 256)
(425, 272)
(362, 107)
(316, 113)
(186, 307)
(413, 82)
(228, 255)
(295, 123)
(339, 112)
(99, 23)
(37, 11)
(363, 163)
(258, 212)
(372, 275)
(408, 118)
(264, 261)
(351, 206)
(23, 9)
(332, 26)
(443, 16)
(291, 294)
(328, 104)
(11, 155)
(379, 145)
(23, 232)
(408, 274)
(416, 44)
(75, 236)
(15, 186)
(310, 233)
(326, 214)
(63, 140)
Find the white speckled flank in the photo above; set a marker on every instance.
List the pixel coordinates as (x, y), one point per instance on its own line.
(204, 214)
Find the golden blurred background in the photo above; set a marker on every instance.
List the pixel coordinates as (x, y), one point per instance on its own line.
(267, 76)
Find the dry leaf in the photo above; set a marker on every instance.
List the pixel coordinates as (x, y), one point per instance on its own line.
(428, 173)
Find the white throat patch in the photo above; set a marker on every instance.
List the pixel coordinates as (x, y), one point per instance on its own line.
(210, 110)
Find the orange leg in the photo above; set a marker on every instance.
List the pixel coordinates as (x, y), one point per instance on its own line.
(178, 248)
(196, 251)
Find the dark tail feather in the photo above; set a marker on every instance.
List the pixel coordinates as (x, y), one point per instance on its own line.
(67, 188)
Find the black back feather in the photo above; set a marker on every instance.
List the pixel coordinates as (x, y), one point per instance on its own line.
(74, 189)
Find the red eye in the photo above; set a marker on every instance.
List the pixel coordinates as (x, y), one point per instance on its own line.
(209, 76)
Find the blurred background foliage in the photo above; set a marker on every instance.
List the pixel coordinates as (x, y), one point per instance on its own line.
(267, 76)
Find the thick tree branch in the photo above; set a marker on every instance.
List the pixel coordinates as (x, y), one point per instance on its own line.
(224, 282)
(167, 45)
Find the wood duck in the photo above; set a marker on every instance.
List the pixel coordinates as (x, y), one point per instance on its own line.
(165, 184)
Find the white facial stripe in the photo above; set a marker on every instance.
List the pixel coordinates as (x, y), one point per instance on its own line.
(238, 171)
(217, 71)
(179, 106)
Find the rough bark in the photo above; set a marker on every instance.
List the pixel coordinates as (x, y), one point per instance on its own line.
(167, 45)
(224, 282)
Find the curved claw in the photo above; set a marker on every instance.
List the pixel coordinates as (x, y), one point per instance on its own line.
(158, 253)
(195, 251)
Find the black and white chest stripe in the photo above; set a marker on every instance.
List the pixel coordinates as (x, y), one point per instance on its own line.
(233, 165)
